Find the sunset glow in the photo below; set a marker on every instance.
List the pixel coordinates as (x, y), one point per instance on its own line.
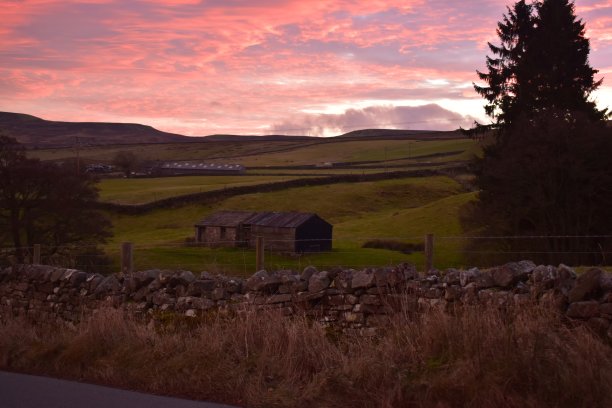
(260, 66)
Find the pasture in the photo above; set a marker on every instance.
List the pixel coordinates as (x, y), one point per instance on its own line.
(400, 209)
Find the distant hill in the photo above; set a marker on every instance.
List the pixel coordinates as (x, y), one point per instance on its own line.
(35, 132)
(39, 133)
(400, 134)
(250, 138)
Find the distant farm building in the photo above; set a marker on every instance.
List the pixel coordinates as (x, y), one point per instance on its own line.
(184, 168)
(292, 232)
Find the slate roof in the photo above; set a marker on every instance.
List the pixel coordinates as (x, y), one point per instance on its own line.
(266, 219)
(226, 218)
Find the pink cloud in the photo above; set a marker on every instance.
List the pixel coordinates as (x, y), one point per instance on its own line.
(240, 66)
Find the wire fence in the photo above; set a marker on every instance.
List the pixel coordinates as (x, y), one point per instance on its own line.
(243, 257)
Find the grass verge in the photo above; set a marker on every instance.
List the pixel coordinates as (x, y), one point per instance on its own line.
(476, 357)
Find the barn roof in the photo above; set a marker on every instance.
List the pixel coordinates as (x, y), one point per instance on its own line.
(280, 219)
(226, 218)
(265, 219)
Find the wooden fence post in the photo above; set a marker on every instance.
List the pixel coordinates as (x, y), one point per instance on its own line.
(36, 255)
(127, 259)
(259, 254)
(429, 252)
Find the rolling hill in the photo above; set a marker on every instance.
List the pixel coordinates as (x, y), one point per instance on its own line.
(35, 132)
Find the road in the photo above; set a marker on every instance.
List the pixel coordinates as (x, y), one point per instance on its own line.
(27, 391)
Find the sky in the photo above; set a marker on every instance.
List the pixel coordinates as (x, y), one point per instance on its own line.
(303, 67)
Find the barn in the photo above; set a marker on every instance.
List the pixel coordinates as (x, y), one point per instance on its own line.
(292, 232)
(191, 168)
(223, 228)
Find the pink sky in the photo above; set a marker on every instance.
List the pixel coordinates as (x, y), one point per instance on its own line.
(199, 67)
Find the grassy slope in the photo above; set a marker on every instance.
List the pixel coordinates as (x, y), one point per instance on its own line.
(270, 153)
(357, 210)
(142, 190)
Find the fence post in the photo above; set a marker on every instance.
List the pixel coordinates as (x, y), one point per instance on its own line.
(36, 255)
(259, 254)
(127, 259)
(429, 252)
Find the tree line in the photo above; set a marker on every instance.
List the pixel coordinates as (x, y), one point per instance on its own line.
(49, 204)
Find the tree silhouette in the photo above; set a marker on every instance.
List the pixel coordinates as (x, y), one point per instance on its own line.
(48, 204)
(546, 173)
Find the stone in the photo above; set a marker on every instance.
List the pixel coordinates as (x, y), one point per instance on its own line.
(57, 275)
(308, 296)
(586, 286)
(364, 308)
(199, 287)
(109, 285)
(190, 313)
(369, 300)
(452, 293)
(408, 271)
(233, 286)
(469, 276)
(78, 277)
(343, 279)
(308, 272)
(362, 279)
(185, 278)
(451, 277)
(605, 308)
(509, 274)
(278, 299)
(261, 281)
(319, 281)
(217, 294)
(605, 282)
(351, 317)
(583, 310)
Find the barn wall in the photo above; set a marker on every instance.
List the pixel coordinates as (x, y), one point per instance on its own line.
(214, 236)
(314, 235)
(279, 239)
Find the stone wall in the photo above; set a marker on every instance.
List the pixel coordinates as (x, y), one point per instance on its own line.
(350, 299)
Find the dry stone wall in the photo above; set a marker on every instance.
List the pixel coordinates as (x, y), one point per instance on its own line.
(351, 299)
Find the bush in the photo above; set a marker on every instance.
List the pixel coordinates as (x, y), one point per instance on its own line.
(393, 245)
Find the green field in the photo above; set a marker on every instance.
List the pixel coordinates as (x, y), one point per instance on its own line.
(143, 190)
(265, 153)
(401, 209)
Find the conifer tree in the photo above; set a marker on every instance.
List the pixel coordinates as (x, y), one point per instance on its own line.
(546, 174)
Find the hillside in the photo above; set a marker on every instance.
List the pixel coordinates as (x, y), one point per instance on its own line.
(36, 132)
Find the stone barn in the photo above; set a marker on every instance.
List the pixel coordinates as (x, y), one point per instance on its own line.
(224, 228)
(292, 232)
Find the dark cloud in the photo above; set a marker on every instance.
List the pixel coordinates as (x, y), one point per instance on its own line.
(426, 117)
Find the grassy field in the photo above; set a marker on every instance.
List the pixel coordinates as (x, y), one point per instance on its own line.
(271, 153)
(400, 209)
(143, 190)
(403, 209)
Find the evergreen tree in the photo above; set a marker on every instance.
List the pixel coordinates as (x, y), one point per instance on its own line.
(541, 64)
(504, 77)
(546, 173)
(560, 77)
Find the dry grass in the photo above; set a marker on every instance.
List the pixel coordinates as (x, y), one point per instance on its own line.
(473, 358)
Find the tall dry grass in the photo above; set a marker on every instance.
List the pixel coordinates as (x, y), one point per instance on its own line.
(476, 357)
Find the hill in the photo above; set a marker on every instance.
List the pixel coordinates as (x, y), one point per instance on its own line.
(35, 132)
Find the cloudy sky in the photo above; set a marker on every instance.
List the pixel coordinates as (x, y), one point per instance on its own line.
(199, 67)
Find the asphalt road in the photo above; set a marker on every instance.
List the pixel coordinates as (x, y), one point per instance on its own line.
(28, 391)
